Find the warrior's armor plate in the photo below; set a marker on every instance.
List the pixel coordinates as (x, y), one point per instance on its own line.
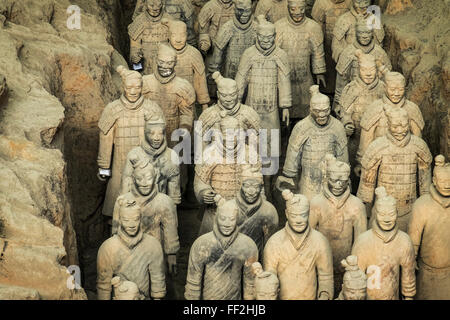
(273, 10)
(212, 16)
(303, 43)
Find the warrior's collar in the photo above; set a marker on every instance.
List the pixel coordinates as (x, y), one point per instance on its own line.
(144, 200)
(296, 24)
(154, 19)
(338, 202)
(131, 105)
(323, 128)
(264, 51)
(388, 102)
(356, 14)
(366, 49)
(242, 26)
(386, 236)
(297, 239)
(164, 80)
(228, 112)
(130, 242)
(364, 85)
(154, 153)
(225, 5)
(225, 241)
(181, 51)
(443, 201)
(246, 208)
(401, 143)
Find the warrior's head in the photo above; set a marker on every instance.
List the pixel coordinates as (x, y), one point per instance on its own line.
(338, 175)
(166, 60)
(361, 6)
(398, 123)
(144, 176)
(129, 215)
(367, 67)
(265, 33)
(441, 176)
(267, 285)
(227, 91)
(296, 9)
(177, 33)
(155, 130)
(320, 108)
(125, 290)
(354, 285)
(364, 34)
(385, 209)
(226, 216)
(154, 7)
(252, 184)
(297, 210)
(131, 83)
(395, 86)
(243, 10)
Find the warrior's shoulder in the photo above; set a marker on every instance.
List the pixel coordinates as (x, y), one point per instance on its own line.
(303, 127)
(349, 94)
(313, 26)
(136, 153)
(208, 11)
(281, 24)
(282, 59)
(337, 127)
(163, 202)
(109, 115)
(343, 24)
(372, 114)
(137, 26)
(375, 150)
(318, 238)
(422, 149)
(184, 88)
(414, 113)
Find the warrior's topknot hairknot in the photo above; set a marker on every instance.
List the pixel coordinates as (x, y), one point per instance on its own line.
(439, 160)
(287, 194)
(217, 76)
(314, 89)
(381, 192)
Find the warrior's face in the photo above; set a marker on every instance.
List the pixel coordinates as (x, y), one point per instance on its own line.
(353, 294)
(298, 220)
(228, 96)
(155, 135)
(398, 126)
(361, 6)
(132, 88)
(297, 10)
(251, 190)
(321, 113)
(166, 65)
(243, 11)
(395, 90)
(386, 217)
(154, 7)
(364, 35)
(338, 182)
(266, 38)
(130, 220)
(144, 179)
(367, 74)
(178, 38)
(441, 181)
(226, 221)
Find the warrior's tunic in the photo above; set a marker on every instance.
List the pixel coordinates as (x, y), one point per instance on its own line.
(272, 10)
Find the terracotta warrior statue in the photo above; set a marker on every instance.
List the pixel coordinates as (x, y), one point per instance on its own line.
(272, 10)
(428, 229)
(121, 129)
(267, 285)
(344, 29)
(311, 139)
(146, 32)
(132, 255)
(159, 213)
(325, 13)
(176, 10)
(257, 217)
(233, 38)
(190, 65)
(355, 100)
(354, 285)
(338, 215)
(220, 171)
(175, 95)
(165, 161)
(299, 255)
(220, 261)
(374, 122)
(400, 162)
(125, 290)
(347, 64)
(386, 254)
(264, 72)
(302, 39)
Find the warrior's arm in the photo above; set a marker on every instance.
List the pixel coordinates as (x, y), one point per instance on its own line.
(104, 274)
(271, 257)
(318, 53)
(157, 275)
(314, 216)
(216, 61)
(200, 187)
(127, 179)
(341, 145)
(408, 277)
(248, 277)
(415, 129)
(187, 114)
(324, 265)
(242, 77)
(416, 226)
(284, 88)
(293, 154)
(115, 220)
(367, 136)
(139, 8)
(204, 22)
(424, 171)
(169, 224)
(318, 14)
(369, 173)
(188, 18)
(360, 223)
(194, 278)
(337, 46)
(271, 226)
(105, 148)
(173, 188)
(201, 87)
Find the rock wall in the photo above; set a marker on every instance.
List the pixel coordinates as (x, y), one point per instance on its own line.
(59, 81)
